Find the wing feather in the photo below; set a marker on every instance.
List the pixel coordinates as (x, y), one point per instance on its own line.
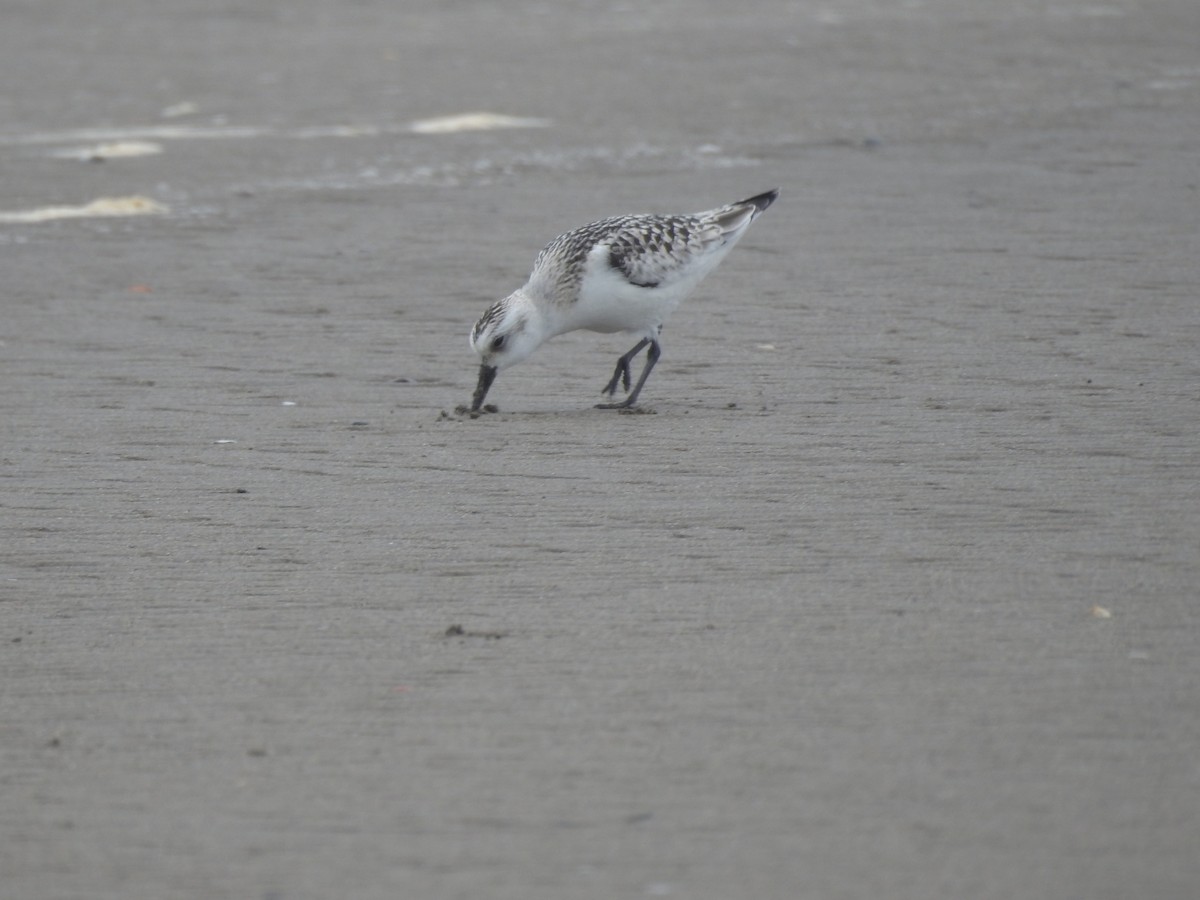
(654, 250)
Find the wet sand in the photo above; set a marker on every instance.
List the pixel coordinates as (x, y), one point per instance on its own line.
(891, 593)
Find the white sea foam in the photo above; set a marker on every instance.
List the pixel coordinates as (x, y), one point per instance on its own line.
(111, 150)
(473, 121)
(102, 207)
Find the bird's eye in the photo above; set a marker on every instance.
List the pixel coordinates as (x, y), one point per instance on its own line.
(497, 343)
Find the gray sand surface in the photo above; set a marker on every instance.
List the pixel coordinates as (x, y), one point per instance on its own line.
(894, 595)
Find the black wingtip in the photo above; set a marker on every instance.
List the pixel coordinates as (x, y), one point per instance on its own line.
(762, 201)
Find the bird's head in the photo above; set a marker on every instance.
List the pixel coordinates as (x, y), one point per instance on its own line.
(504, 335)
(507, 333)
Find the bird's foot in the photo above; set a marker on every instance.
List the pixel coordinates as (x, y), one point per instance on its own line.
(470, 413)
(627, 403)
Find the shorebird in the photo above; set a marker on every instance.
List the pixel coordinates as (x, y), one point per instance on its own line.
(625, 273)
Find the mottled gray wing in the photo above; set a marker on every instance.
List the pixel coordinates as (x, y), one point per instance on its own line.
(651, 250)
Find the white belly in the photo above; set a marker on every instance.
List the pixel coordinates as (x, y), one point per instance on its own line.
(607, 302)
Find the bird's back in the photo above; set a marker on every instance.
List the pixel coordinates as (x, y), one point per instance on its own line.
(646, 251)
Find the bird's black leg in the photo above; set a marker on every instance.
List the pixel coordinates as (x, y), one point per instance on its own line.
(622, 372)
(651, 358)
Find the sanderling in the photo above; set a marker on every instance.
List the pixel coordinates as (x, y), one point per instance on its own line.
(626, 273)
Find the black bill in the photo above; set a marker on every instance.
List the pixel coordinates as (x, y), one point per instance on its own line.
(487, 374)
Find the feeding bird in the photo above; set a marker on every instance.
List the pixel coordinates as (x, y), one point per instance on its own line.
(625, 273)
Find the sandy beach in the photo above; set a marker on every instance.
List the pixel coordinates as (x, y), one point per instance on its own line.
(892, 592)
